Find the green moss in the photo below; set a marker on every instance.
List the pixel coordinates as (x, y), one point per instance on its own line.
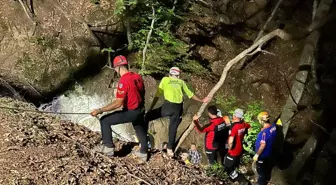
(29, 66)
(46, 42)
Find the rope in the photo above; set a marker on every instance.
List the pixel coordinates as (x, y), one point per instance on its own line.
(43, 112)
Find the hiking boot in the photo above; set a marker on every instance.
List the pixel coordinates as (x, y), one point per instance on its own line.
(142, 156)
(104, 150)
(170, 153)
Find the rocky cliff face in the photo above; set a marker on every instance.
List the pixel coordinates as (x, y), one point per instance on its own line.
(49, 49)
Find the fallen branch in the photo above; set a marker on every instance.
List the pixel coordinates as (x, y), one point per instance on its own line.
(25, 10)
(13, 91)
(147, 40)
(268, 20)
(276, 33)
(241, 64)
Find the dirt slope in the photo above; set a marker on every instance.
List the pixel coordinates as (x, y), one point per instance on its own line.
(40, 149)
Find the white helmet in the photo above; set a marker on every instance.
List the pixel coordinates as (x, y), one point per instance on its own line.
(174, 71)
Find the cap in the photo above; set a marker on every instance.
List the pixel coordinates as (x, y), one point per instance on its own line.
(119, 60)
(238, 113)
(175, 71)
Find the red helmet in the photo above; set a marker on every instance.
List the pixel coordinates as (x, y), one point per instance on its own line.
(119, 61)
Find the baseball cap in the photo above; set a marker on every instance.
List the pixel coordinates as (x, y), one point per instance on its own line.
(238, 113)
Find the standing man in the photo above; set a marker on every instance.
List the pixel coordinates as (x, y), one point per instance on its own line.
(216, 133)
(172, 88)
(264, 145)
(130, 95)
(235, 146)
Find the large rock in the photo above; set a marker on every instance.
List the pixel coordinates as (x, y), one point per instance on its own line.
(49, 53)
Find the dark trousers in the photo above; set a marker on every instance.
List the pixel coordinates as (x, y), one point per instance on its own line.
(212, 155)
(174, 112)
(125, 116)
(264, 169)
(230, 165)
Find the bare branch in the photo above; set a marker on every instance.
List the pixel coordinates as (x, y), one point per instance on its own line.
(129, 33)
(147, 41)
(241, 64)
(166, 22)
(268, 20)
(13, 91)
(25, 10)
(278, 32)
(315, 3)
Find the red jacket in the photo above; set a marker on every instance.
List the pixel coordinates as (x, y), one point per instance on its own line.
(238, 132)
(216, 133)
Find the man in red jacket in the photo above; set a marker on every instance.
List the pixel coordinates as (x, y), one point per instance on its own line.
(216, 133)
(235, 146)
(131, 96)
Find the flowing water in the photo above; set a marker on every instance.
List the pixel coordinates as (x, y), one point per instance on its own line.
(77, 101)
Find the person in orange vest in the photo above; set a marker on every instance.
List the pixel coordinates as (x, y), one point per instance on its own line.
(131, 97)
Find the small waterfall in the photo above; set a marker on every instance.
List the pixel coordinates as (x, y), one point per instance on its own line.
(78, 101)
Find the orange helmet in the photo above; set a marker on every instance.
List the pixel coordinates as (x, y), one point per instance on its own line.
(263, 117)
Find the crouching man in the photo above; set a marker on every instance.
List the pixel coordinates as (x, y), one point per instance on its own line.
(130, 95)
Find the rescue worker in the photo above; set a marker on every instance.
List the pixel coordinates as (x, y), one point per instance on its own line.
(216, 133)
(172, 88)
(263, 147)
(130, 95)
(235, 146)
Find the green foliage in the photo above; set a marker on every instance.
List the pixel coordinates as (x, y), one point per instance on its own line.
(246, 159)
(217, 170)
(164, 49)
(225, 104)
(45, 42)
(252, 111)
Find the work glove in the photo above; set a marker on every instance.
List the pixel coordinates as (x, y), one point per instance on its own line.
(255, 157)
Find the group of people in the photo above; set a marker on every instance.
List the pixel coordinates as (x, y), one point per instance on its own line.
(225, 136)
(222, 134)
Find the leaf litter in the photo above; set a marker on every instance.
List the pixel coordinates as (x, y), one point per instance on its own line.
(38, 148)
